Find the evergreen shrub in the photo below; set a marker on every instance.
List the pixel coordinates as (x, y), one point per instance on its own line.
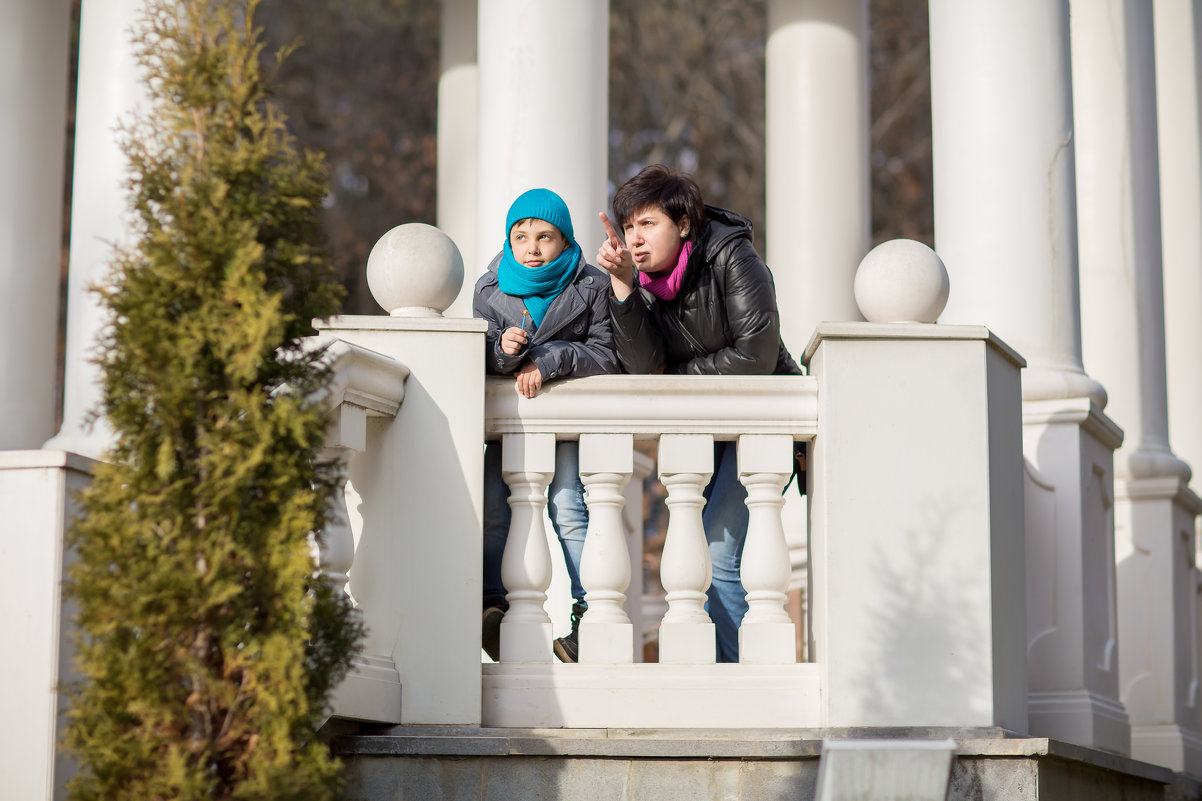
(208, 644)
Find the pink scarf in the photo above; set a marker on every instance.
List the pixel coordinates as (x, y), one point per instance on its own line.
(665, 285)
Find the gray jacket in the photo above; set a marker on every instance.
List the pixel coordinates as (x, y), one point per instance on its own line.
(575, 339)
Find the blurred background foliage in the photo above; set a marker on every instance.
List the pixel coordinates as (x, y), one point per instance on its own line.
(686, 89)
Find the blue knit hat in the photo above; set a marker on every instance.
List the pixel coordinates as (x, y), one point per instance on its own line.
(541, 204)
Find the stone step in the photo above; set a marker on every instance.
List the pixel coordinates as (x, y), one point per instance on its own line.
(472, 764)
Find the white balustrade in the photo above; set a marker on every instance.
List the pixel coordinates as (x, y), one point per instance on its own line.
(527, 465)
(686, 635)
(767, 635)
(606, 633)
(365, 384)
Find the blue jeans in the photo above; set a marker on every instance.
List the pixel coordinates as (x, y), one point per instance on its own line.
(725, 519)
(565, 507)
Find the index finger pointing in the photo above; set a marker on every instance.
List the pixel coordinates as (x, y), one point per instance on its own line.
(609, 229)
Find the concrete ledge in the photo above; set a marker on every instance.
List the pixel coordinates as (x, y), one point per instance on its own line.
(470, 764)
(713, 744)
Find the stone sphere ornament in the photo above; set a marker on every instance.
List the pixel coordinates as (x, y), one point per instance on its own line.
(901, 281)
(415, 270)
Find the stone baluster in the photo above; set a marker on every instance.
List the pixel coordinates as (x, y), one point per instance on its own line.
(606, 634)
(767, 635)
(527, 465)
(686, 635)
(346, 437)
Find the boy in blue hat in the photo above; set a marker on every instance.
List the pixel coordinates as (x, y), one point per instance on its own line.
(548, 318)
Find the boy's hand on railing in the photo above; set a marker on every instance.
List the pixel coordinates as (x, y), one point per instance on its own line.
(529, 379)
(513, 340)
(614, 258)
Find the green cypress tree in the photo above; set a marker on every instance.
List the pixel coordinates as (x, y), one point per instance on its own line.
(208, 645)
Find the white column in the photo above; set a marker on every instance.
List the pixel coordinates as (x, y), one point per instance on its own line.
(1005, 226)
(527, 464)
(558, 67)
(1122, 294)
(606, 634)
(816, 142)
(686, 634)
(1005, 210)
(109, 90)
(1178, 36)
(34, 39)
(767, 635)
(1178, 26)
(457, 140)
(1122, 297)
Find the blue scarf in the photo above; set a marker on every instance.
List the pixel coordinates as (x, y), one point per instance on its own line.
(537, 286)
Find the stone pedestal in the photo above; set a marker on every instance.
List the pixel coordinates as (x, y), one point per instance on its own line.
(916, 530)
(1157, 588)
(37, 499)
(1072, 630)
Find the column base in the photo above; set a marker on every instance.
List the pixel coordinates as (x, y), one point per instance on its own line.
(606, 643)
(767, 643)
(1169, 745)
(687, 644)
(1080, 717)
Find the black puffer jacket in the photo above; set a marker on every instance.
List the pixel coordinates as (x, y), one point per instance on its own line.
(723, 321)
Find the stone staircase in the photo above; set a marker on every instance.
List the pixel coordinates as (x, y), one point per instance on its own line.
(429, 763)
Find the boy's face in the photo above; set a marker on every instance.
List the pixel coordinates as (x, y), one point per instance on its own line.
(536, 242)
(653, 239)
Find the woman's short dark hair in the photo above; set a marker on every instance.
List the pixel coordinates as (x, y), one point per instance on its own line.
(674, 193)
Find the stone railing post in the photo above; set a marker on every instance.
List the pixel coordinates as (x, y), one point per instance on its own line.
(916, 532)
(686, 635)
(767, 634)
(606, 633)
(418, 483)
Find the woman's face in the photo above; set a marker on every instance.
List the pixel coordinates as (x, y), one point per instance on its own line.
(654, 240)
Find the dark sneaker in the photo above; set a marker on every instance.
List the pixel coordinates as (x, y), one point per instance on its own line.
(568, 648)
(490, 632)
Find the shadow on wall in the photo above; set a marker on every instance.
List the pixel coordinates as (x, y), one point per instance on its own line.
(922, 633)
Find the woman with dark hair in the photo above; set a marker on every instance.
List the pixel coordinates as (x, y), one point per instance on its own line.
(691, 296)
